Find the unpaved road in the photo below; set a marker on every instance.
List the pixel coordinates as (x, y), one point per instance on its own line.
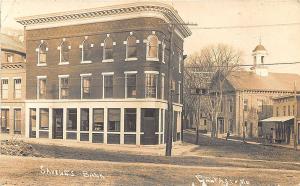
(28, 171)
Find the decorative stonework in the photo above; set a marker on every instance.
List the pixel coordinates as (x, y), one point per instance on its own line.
(122, 10)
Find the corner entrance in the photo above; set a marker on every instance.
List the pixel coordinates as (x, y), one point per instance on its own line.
(149, 125)
(57, 124)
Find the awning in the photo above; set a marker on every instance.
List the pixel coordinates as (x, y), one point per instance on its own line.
(278, 119)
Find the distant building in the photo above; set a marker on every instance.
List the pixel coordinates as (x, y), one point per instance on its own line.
(101, 74)
(13, 84)
(248, 96)
(280, 128)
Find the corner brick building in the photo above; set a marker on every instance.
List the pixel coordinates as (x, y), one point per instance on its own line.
(101, 75)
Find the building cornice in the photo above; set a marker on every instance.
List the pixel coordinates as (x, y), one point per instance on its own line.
(141, 9)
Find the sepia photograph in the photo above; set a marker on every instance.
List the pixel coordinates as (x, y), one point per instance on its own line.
(150, 92)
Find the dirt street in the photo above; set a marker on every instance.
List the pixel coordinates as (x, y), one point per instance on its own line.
(28, 171)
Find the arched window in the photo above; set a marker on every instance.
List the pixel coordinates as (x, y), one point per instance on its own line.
(108, 48)
(152, 47)
(42, 53)
(86, 51)
(64, 51)
(131, 47)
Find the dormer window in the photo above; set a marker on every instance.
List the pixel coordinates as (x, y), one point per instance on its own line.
(108, 49)
(152, 48)
(86, 51)
(64, 49)
(42, 54)
(131, 48)
(9, 57)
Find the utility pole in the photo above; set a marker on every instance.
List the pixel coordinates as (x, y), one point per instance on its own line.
(169, 128)
(243, 124)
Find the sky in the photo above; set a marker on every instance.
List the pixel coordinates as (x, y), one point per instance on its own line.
(282, 40)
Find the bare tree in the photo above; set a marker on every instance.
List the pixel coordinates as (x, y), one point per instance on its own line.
(208, 70)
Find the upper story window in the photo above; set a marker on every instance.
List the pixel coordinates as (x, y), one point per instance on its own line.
(4, 88)
(108, 82)
(163, 59)
(130, 84)
(85, 85)
(42, 53)
(63, 86)
(41, 87)
(131, 48)
(64, 49)
(230, 105)
(17, 88)
(284, 110)
(86, 51)
(179, 62)
(108, 49)
(162, 86)
(151, 84)
(245, 104)
(9, 58)
(152, 48)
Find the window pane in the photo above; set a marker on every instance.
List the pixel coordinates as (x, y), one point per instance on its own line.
(98, 119)
(84, 120)
(114, 120)
(152, 47)
(64, 87)
(72, 119)
(4, 88)
(17, 91)
(131, 47)
(108, 48)
(17, 120)
(108, 86)
(131, 85)
(43, 53)
(42, 88)
(130, 120)
(150, 89)
(44, 119)
(86, 50)
(5, 120)
(86, 87)
(33, 119)
(65, 52)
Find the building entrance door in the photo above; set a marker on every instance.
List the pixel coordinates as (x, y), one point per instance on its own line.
(149, 126)
(57, 124)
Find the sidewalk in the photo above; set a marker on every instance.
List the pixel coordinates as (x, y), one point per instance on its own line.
(178, 149)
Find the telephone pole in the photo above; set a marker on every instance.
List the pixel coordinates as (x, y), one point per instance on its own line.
(169, 128)
(295, 119)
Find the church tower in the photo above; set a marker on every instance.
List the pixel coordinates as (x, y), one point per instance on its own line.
(259, 59)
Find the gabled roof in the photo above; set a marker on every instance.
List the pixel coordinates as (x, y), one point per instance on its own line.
(249, 80)
(11, 43)
(132, 10)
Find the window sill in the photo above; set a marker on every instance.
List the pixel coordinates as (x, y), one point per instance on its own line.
(85, 62)
(131, 59)
(42, 65)
(152, 59)
(63, 63)
(107, 60)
